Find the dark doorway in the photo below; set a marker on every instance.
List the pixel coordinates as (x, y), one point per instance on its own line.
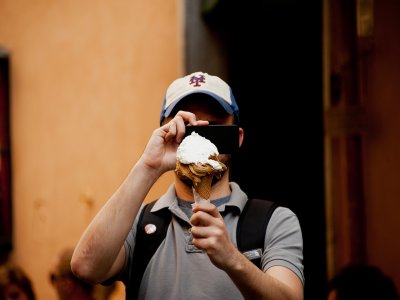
(5, 159)
(270, 52)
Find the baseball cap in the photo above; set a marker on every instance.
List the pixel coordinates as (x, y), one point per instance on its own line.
(199, 82)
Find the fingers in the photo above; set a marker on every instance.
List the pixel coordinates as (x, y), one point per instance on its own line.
(206, 214)
(190, 118)
(172, 129)
(210, 234)
(206, 207)
(175, 128)
(205, 231)
(206, 238)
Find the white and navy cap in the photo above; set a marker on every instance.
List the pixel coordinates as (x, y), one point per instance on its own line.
(199, 82)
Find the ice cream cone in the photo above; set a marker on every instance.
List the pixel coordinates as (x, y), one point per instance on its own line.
(197, 161)
(203, 188)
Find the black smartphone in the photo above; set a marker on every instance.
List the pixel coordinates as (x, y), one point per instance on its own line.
(224, 137)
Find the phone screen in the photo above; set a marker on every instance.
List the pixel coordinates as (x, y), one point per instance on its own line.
(224, 137)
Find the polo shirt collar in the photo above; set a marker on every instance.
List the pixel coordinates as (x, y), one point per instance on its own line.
(238, 198)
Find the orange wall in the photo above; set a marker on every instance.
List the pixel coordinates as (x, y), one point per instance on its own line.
(87, 82)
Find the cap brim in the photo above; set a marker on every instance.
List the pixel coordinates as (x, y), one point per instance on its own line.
(221, 101)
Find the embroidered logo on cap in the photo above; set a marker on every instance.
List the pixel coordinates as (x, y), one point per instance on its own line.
(150, 228)
(197, 80)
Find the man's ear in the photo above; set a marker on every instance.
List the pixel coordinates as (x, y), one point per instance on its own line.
(241, 136)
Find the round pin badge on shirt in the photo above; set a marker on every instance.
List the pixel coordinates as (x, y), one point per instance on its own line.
(150, 228)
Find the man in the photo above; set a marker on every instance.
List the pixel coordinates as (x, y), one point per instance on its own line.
(198, 258)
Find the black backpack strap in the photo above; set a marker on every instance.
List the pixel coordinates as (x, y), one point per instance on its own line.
(146, 244)
(251, 228)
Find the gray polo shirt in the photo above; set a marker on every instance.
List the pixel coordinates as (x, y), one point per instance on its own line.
(178, 270)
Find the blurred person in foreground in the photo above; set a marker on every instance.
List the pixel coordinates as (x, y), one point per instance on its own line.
(66, 284)
(361, 282)
(15, 283)
(214, 268)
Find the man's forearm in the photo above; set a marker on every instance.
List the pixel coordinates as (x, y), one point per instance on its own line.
(255, 284)
(95, 256)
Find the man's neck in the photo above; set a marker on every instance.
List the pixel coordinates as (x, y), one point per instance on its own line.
(219, 189)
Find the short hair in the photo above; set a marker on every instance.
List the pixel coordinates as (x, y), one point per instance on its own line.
(63, 269)
(11, 273)
(363, 282)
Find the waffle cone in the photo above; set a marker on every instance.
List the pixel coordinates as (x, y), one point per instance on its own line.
(203, 188)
